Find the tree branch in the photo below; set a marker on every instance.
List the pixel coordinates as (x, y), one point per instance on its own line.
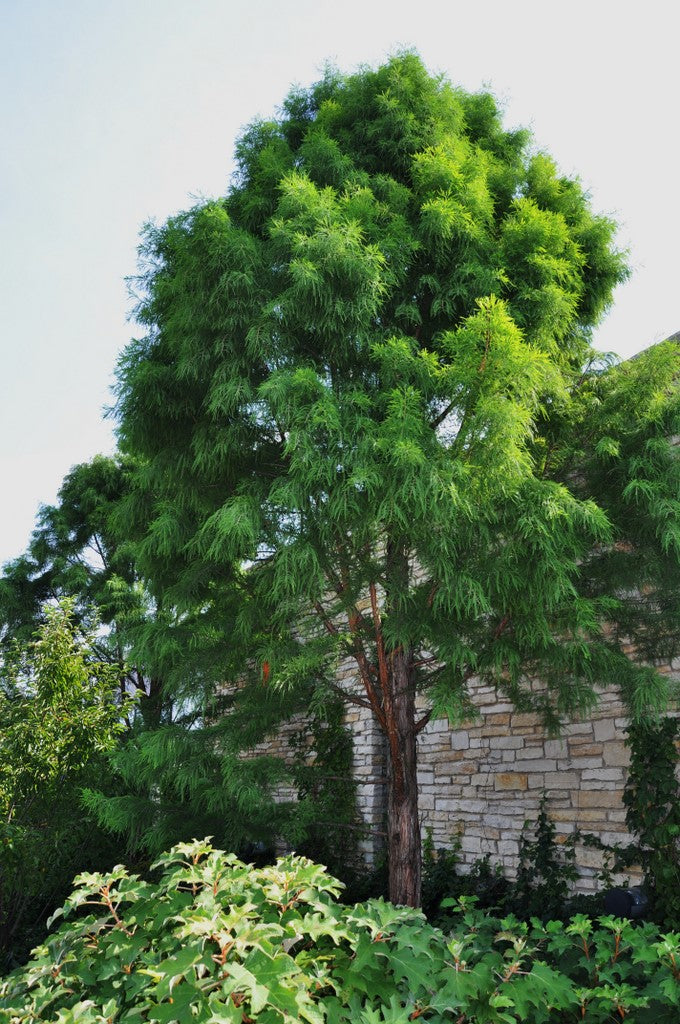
(348, 825)
(442, 415)
(365, 670)
(383, 672)
(351, 698)
(355, 649)
(422, 722)
(380, 780)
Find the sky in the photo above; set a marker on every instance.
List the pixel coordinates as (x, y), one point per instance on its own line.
(114, 114)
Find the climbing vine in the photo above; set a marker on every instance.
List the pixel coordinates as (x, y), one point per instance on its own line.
(327, 792)
(652, 800)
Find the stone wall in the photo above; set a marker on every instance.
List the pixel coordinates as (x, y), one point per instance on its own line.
(481, 782)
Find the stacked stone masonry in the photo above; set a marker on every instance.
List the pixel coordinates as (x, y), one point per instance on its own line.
(481, 782)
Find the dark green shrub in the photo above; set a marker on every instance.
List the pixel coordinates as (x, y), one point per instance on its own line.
(545, 874)
(443, 879)
(327, 793)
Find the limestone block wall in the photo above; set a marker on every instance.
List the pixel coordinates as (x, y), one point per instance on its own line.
(481, 782)
(368, 763)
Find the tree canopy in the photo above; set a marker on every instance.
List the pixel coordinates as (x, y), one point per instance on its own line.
(74, 553)
(370, 422)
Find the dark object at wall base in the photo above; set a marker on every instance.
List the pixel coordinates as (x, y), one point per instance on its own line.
(258, 853)
(631, 903)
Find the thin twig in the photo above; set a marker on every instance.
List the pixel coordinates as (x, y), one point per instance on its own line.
(442, 415)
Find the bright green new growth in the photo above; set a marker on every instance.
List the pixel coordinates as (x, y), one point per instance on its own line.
(215, 941)
(58, 709)
(367, 377)
(60, 712)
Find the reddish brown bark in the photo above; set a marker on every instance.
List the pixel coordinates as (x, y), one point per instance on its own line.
(389, 681)
(389, 685)
(403, 825)
(397, 684)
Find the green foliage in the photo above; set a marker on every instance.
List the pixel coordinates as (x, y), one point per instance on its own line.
(60, 713)
(366, 370)
(58, 709)
(73, 553)
(596, 971)
(216, 940)
(173, 776)
(192, 773)
(213, 938)
(442, 879)
(202, 772)
(545, 870)
(616, 442)
(327, 793)
(348, 358)
(652, 799)
(77, 553)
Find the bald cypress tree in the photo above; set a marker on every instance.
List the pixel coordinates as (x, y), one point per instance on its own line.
(356, 401)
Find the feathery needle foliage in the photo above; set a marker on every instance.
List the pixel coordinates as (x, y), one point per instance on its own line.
(371, 425)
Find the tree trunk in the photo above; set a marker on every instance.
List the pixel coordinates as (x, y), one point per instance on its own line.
(403, 825)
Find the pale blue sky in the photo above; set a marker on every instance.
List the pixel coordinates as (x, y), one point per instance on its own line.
(114, 113)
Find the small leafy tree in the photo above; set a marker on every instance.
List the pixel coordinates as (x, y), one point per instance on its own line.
(371, 425)
(59, 714)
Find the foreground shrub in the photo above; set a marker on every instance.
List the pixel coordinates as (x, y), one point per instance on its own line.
(216, 941)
